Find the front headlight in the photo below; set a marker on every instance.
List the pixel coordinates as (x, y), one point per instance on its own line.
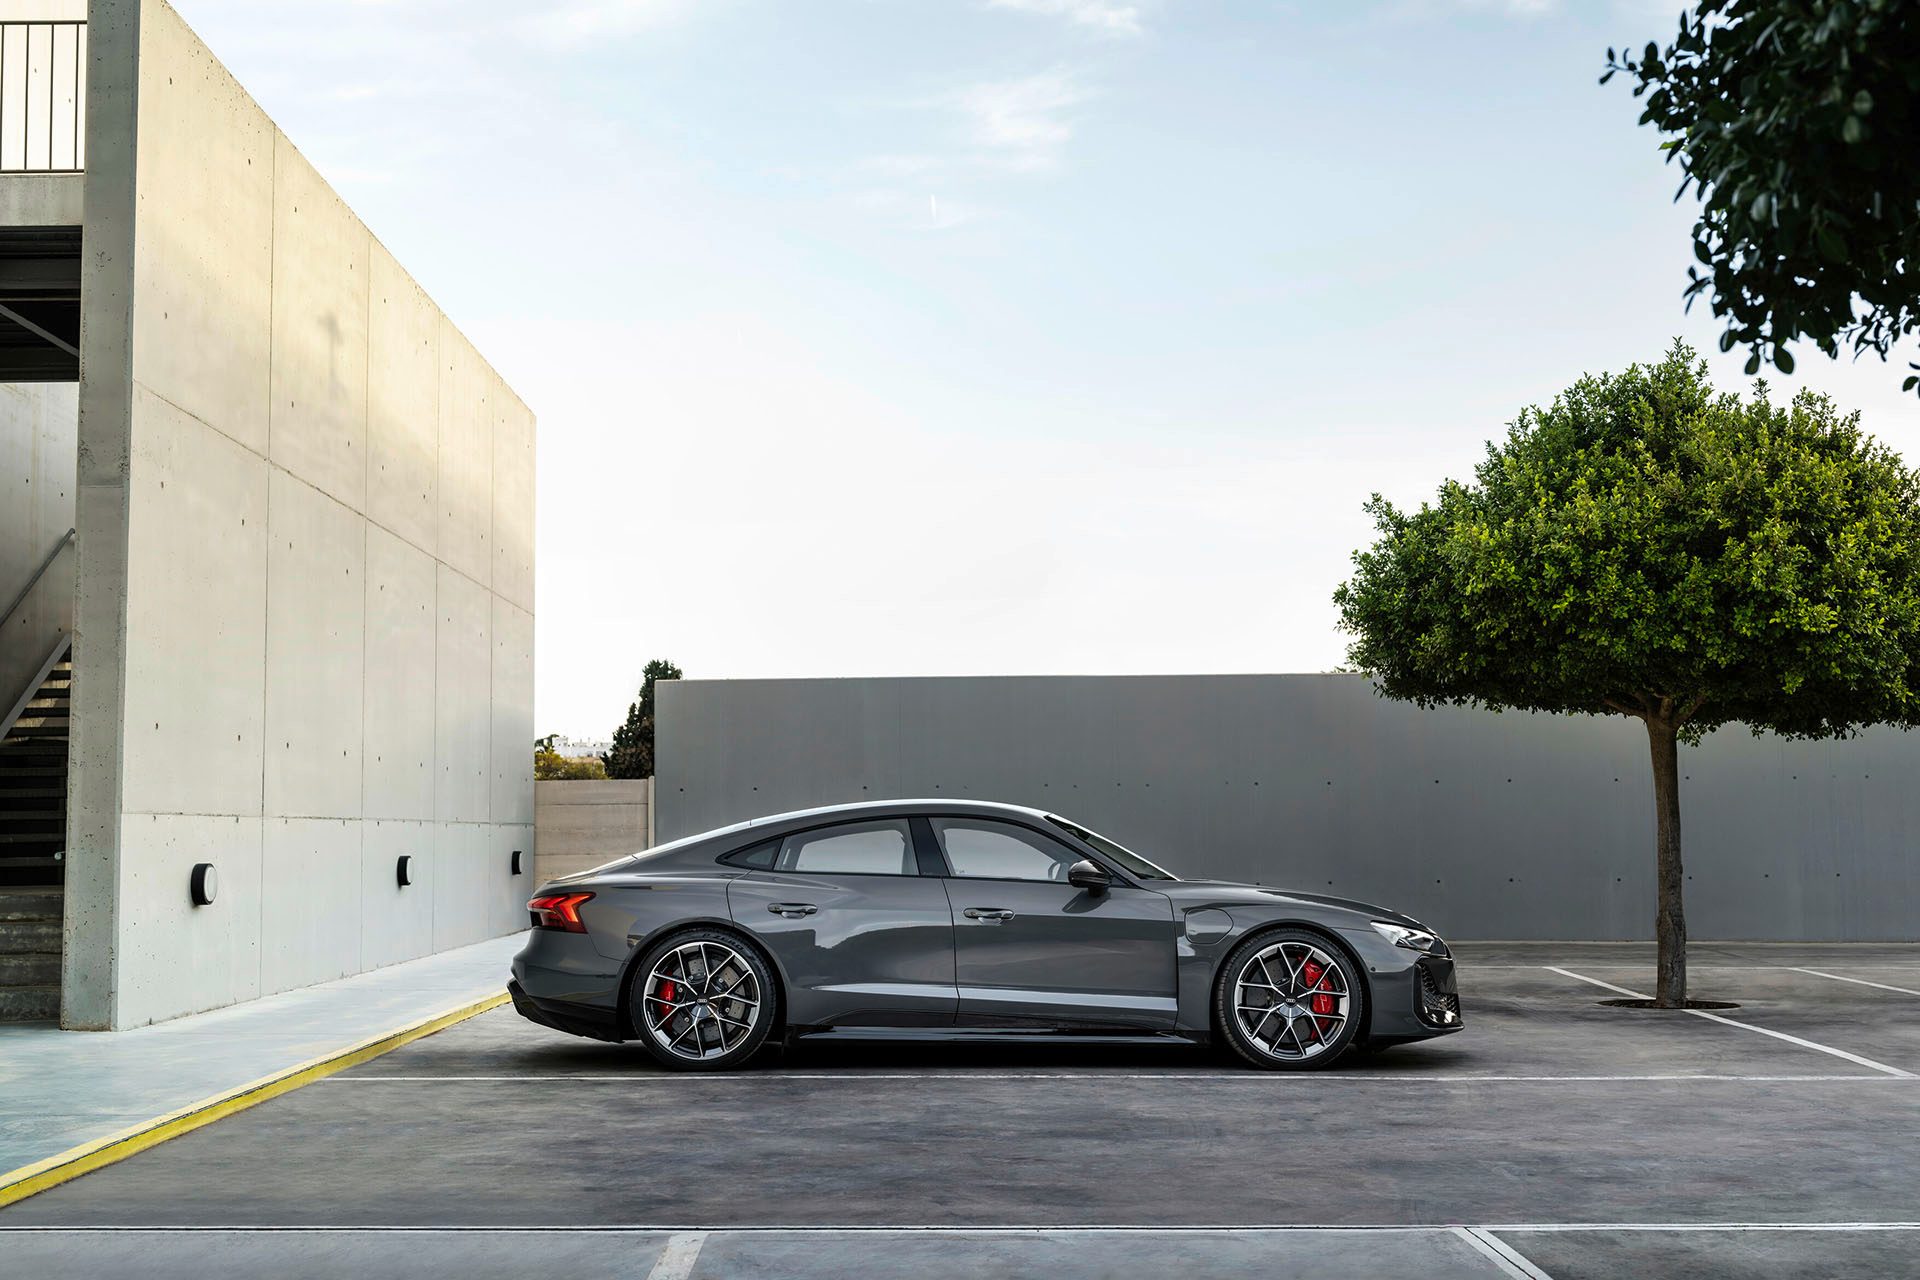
(1412, 939)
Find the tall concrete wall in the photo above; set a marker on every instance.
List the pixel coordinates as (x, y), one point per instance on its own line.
(305, 633)
(38, 456)
(1486, 826)
(586, 823)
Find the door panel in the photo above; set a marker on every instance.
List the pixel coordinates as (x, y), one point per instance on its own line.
(1064, 954)
(875, 950)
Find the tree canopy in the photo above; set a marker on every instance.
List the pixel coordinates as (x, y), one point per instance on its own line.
(1646, 542)
(632, 752)
(1650, 548)
(1794, 121)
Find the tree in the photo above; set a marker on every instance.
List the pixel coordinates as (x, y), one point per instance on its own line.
(632, 753)
(1645, 547)
(550, 766)
(1794, 121)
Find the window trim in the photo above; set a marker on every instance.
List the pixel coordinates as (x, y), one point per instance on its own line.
(780, 840)
(1062, 838)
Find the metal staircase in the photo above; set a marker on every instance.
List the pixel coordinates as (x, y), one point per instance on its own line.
(33, 841)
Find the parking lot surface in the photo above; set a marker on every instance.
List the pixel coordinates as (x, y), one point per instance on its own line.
(1555, 1136)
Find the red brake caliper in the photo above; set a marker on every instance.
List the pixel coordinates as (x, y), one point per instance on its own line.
(1323, 1004)
(667, 992)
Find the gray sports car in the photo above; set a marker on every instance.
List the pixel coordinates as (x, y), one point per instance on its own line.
(962, 919)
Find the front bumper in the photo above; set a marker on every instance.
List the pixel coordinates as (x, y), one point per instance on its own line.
(1414, 995)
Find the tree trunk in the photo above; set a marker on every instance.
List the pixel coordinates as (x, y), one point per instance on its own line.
(1670, 920)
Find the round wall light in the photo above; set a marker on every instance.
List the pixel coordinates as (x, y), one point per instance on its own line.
(203, 884)
(403, 871)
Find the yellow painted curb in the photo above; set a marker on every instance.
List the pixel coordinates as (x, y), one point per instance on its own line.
(34, 1178)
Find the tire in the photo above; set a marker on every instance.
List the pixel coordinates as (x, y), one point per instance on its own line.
(702, 1000)
(1318, 1003)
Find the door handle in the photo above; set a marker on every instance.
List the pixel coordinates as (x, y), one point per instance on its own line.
(994, 915)
(792, 910)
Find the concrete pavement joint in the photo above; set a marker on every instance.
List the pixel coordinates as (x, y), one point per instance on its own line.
(1502, 1255)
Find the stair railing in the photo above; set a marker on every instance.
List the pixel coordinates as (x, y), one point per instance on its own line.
(39, 573)
(61, 644)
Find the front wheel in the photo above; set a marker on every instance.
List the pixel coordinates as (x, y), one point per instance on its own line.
(703, 1000)
(1289, 1001)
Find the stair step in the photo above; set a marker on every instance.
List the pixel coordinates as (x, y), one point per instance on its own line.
(27, 793)
(31, 904)
(33, 837)
(30, 937)
(30, 729)
(8, 774)
(29, 1004)
(31, 969)
(29, 815)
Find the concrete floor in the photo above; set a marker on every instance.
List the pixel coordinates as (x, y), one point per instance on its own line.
(498, 1146)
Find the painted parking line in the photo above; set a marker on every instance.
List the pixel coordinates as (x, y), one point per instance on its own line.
(1503, 1255)
(677, 1259)
(943, 1228)
(1838, 977)
(1316, 1079)
(1744, 1026)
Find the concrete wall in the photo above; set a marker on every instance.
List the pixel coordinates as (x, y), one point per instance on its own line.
(1486, 826)
(38, 455)
(305, 634)
(583, 824)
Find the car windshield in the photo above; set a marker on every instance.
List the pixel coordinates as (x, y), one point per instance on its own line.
(1129, 861)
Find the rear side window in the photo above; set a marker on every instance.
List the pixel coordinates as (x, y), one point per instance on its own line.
(760, 857)
(858, 848)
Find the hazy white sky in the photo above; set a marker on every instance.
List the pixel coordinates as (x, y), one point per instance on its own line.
(887, 337)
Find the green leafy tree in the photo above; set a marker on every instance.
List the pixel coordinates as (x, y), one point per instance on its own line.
(632, 753)
(1795, 123)
(550, 766)
(1645, 547)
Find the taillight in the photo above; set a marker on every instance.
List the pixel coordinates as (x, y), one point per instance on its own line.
(558, 911)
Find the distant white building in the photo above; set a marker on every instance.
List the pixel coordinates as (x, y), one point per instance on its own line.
(580, 748)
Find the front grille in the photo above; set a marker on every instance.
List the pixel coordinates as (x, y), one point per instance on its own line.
(1439, 1002)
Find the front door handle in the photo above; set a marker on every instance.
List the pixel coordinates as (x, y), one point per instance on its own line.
(993, 915)
(792, 910)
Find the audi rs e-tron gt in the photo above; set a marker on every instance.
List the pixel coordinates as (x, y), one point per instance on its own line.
(962, 918)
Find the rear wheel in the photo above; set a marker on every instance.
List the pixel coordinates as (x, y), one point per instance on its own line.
(1289, 1001)
(703, 1000)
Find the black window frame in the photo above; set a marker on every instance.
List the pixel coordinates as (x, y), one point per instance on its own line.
(733, 858)
(1062, 838)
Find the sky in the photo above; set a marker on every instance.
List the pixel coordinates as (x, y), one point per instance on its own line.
(969, 337)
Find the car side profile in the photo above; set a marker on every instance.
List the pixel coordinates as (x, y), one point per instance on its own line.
(965, 919)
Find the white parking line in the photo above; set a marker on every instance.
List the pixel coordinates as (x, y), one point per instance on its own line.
(677, 1259)
(1745, 1026)
(1248, 1078)
(946, 1228)
(1503, 1255)
(1837, 977)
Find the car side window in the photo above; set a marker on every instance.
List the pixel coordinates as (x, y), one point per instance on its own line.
(987, 850)
(861, 848)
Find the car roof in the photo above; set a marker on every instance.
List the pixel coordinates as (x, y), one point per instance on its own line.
(881, 808)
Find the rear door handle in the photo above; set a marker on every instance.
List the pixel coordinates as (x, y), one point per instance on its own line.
(994, 915)
(792, 910)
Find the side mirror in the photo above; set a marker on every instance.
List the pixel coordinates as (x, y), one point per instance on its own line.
(1089, 875)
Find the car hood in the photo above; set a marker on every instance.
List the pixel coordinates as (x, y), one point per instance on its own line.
(1224, 893)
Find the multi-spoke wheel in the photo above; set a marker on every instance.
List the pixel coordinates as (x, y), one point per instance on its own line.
(1289, 1000)
(702, 1000)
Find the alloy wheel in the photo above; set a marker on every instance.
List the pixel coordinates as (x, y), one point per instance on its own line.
(1291, 1000)
(701, 1000)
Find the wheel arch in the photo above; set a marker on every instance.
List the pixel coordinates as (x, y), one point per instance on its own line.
(631, 968)
(1319, 930)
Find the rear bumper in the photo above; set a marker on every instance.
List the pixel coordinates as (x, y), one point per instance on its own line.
(560, 981)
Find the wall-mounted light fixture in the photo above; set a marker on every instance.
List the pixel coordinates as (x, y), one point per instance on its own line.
(516, 862)
(403, 871)
(203, 884)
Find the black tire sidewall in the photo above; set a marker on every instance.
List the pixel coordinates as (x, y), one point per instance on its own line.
(764, 1017)
(1229, 1025)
